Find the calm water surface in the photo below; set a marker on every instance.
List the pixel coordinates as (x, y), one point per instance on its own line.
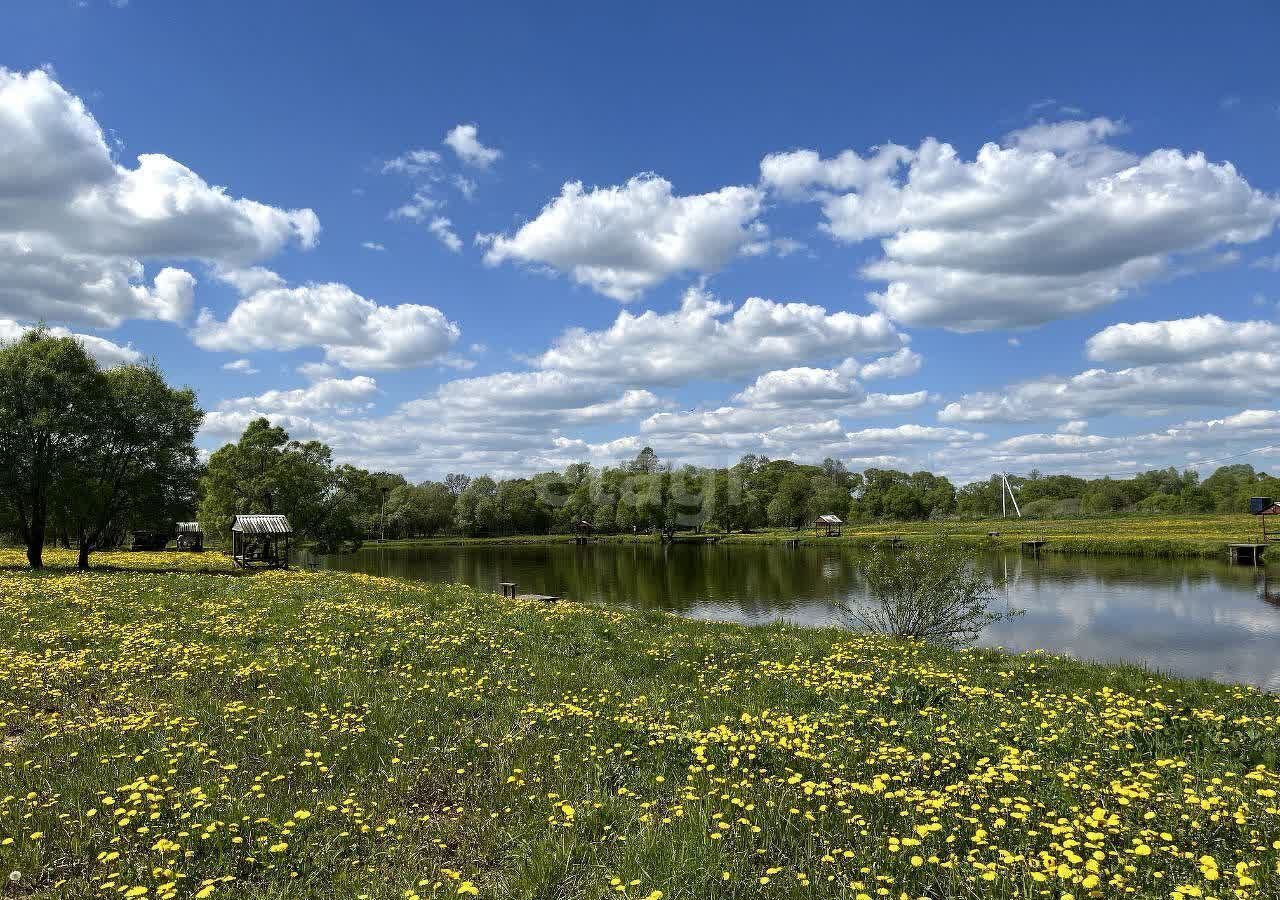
(1191, 617)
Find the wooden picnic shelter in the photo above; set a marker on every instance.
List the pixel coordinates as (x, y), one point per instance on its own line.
(190, 536)
(829, 524)
(260, 540)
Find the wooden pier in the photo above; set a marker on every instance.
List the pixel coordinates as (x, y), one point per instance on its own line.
(1033, 547)
(508, 589)
(667, 537)
(1250, 554)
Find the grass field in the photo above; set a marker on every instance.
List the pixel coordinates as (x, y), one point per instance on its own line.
(185, 733)
(1203, 535)
(1189, 535)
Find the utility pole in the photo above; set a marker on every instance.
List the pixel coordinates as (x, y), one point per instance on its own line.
(1008, 489)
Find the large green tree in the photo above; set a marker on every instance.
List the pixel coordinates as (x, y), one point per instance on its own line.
(92, 451)
(51, 400)
(476, 511)
(418, 510)
(141, 459)
(266, 472)
(791, 501)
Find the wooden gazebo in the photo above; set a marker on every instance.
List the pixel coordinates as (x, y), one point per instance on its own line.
(190, 537)
(261, 540)
(829, 524)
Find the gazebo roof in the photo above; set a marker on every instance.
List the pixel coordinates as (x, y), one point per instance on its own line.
(261, 524)
(829, 519)
(189, 528)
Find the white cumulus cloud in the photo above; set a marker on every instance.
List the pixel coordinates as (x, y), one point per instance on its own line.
(1137, 390)
(77, 228)
(1180, 339)
(898, 365)
(464, 140)
(707, 338)
(108, 353)
(354, 331)
(1055, 223)
(305, 413)
(442, 228)
(622, 240)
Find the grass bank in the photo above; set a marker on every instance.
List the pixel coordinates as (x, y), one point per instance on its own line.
(178, 733)
(1199, 535)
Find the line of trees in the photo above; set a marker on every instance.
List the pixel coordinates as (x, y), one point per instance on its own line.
(336, 506)
(647, 494)
(1166, 491)
(87, 455)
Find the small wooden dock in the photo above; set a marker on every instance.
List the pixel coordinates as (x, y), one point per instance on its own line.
(508, 589)
(1250, 554)
(669, 538)
(1033, 547)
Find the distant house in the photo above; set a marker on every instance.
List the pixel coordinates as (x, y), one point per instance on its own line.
(190, 536)
(829, 524)
(261, 540)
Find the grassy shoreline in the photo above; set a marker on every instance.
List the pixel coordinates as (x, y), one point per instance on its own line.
(314, 734)
(1164, 536)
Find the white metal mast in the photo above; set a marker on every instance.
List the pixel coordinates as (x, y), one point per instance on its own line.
(1008, 488)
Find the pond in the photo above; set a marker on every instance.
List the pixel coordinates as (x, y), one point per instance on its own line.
(1201, 618)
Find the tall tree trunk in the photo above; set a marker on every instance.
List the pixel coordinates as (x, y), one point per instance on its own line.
(83, 545)
(35, 543)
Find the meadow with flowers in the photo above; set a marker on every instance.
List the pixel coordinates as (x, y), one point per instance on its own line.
(172, 729)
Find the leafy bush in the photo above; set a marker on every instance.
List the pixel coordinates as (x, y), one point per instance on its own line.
(930, 591)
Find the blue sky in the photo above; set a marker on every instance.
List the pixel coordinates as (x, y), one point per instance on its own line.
(1093, 291)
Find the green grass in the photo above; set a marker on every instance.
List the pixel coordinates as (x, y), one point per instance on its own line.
(1199, 535)
(196, 732)
(1183, 535)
